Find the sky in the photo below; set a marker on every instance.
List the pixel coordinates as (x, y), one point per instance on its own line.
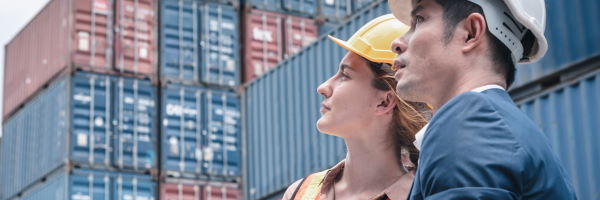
(14, 15)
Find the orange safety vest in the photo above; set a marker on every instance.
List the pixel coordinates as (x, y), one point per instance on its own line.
(310, 187)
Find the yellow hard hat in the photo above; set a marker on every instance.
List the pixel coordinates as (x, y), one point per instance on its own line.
(373, 41)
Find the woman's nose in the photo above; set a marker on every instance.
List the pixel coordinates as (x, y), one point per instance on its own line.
(324, 89)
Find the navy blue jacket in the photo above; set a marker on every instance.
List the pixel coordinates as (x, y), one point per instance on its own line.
(481, 146)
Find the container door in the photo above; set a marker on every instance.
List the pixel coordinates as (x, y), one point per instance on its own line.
(263, 42)
(91, 114)
(133, 187)
(135, 40)
(182, 131)
(223, 134)
(180, 56)
(90, 185)
(219, 45)
(93, 34)
(135, 136)
(299, 33)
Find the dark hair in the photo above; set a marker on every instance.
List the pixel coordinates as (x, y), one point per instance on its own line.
(408, 117)
(457, 10)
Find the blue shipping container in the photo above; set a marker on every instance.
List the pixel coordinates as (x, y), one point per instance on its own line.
(180, 36)
(281, 109)
(220, 45)
(570, 116)
(336, 10)
(573, 35)
(199, 43)
(200, 133)
(307, 8)
(91, 185)
(88, 120)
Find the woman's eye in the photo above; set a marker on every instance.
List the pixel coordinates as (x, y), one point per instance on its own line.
(345, 76)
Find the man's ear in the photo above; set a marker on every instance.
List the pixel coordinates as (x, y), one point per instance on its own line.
(472, 31)
(387, 103)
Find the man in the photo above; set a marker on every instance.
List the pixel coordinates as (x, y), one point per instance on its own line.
(459, 56)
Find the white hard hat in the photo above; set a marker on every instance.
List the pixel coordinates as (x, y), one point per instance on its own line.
(508, 20)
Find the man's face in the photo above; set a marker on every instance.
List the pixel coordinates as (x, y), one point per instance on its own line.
(424, 58)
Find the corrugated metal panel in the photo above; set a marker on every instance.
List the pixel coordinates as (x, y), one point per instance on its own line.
(63, 32)
(336, 10)
(281, 110)
(220, 45)
(91, 184)
(135, 131)
(180, 36)
(573, 35)
(74, 121)
(569, 115)
(21, 154)
(307, 8)
(201, 130)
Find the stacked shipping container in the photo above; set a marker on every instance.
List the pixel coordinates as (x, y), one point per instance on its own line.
(88, 120)
(281, 107)
(200, 113)
(79, 34)
(80, 104)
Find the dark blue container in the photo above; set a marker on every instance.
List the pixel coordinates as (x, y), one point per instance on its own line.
(200, 133)
(199, 43)
(92, 184)
(86, 120)
(306, 8)
(220, 45)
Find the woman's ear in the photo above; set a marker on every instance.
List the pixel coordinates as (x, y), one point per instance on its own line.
(387, 103)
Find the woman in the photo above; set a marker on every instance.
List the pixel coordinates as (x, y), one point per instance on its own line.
(360, 105)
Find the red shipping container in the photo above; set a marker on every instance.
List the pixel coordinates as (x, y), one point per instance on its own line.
(77, 34)
(299, 33)
(135, 41)
(270, 37)
(263, 42)
(196, 190)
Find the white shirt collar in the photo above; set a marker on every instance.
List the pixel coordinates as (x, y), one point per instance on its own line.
(421, 134)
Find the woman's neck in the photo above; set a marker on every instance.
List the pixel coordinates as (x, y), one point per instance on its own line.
(371, 166)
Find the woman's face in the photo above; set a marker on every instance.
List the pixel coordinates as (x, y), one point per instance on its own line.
(350, 100)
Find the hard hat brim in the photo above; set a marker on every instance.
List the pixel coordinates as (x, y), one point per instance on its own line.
(349, 47)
